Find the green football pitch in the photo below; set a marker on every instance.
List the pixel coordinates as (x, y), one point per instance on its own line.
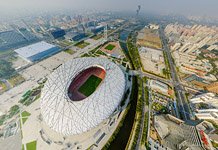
(90, 85)
(110, 47)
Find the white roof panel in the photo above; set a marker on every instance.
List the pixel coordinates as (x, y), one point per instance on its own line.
(34, 49)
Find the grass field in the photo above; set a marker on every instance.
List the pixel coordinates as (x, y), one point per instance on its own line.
(24, 120)
(69, 51)
(110, 47)
(82, 44)
(31, 145)
(90, 85)
(25, 114)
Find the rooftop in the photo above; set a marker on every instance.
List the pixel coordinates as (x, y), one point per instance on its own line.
(175, 134)
(34, 49)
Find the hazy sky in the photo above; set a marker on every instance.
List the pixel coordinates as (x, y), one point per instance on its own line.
(190, 7)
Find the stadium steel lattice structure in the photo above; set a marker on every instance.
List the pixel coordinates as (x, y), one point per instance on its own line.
(70, 117)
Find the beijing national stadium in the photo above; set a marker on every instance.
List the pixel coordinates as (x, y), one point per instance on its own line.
(81, 97)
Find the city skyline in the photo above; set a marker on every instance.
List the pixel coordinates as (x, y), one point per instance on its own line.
(185, 7)
(111, 75)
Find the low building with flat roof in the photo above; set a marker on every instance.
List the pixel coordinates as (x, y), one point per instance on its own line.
(37, 51)
(213, 87)
(205, 106)
(159, 86)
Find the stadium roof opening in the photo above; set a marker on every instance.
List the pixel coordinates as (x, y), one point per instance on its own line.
(37, 51)
(85, 83)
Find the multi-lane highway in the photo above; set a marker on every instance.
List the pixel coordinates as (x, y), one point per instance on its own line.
(151, 76)
(183, 106)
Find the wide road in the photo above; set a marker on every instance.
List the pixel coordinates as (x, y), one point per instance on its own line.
(183, 105)
(151, 76)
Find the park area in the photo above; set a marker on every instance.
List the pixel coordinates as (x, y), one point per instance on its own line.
(25, 116)
(69, 51)
(90, 85)
(82, 44)
(30, 146)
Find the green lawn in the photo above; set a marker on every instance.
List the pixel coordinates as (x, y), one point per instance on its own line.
(31, 145)
(90, 85)
(69, 51)
(110, 47)
(24, 120)
(25, 114)
(13, 111)
(82, 44)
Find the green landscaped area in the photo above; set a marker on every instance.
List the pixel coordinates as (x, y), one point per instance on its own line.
(24, 120)
(97, 37)
(90, 85)
(82, 44)
(3, 87)
(69, 51)
(25, 116)
(16, 79)
(158, 107)
(31, 145)
(14, 110)
(110, 47)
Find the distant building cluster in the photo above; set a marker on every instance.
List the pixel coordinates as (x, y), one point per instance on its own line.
(205, 106)
(153, 26)
(193, 48)
(16, 38)
(213, 87)
(196, 80)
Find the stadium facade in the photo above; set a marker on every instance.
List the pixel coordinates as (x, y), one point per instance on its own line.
(81, 94)
(37, 51)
